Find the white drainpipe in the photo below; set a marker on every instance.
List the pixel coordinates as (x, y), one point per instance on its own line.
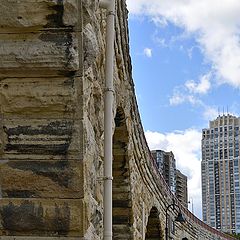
(108, 118)
(143, 220)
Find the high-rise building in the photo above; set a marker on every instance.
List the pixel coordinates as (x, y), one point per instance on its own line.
(181, 188)
(177, 181)
(166, 164)
(220, 174)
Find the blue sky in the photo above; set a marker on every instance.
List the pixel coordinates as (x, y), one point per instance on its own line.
(186, 69)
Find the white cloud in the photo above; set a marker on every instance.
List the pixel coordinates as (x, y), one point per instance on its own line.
(159, 21)
(181, 96)
(186, 147)
(210, 113)
(214, 24)
(187, 93)
(177, 98)
(147, 52)
(202, 87)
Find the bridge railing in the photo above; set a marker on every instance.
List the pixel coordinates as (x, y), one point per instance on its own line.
(204, 225)
(167, 191)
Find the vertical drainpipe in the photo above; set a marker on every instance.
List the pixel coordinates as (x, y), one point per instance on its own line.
(143, 220)
(108, 118)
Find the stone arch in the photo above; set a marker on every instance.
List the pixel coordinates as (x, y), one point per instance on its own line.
(122, 204)
(154, 230)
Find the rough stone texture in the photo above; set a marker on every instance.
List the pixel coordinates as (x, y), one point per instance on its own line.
(52, 55)
(42, 126)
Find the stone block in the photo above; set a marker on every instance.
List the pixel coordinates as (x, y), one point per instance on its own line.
(39, 97)
(39, 139)
(42, 217)
(42, 179)
(36, 54)
(33, 15)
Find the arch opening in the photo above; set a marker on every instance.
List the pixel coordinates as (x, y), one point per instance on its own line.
(154, 231)
(122, 205)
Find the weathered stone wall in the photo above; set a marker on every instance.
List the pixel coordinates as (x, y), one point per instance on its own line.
(52, 56)
(41, 134)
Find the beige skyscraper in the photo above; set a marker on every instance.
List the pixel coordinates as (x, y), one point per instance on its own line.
(220, 174)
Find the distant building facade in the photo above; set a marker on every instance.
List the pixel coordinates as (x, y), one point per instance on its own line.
(166, 164)
(177, 181)
(181, 188)
(220, 174)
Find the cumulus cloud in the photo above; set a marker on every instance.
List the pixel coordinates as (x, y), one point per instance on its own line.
(202, 87)
(181, 96)
(147, 52)
(159, 21)
(177, 98)
(190, 91)
(214, 24)
(186, 147)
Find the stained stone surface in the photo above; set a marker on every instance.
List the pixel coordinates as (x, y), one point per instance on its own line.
(52, 64)
(41, 135)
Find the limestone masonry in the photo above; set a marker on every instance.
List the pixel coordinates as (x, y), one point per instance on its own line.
(52, 55)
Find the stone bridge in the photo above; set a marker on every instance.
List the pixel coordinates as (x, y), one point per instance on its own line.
(52, 55)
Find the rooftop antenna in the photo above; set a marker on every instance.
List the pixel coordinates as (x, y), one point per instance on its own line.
(223, 111)
(218, 112)
(227, 109)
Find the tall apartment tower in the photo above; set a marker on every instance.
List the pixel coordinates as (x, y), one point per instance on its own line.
(181, 188)
(166, 164)
(220, 174)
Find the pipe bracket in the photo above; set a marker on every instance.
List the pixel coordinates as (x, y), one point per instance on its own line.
(111, 13)
(108, 178)
(104, 178)
(109, 90)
